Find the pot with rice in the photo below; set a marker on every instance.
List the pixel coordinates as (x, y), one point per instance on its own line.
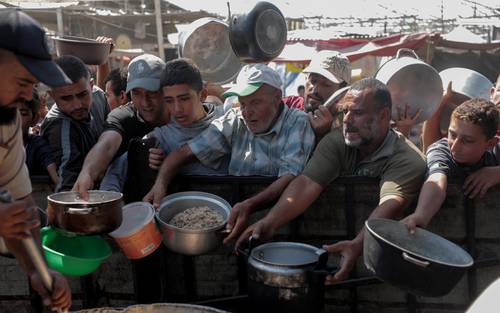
(193, 222)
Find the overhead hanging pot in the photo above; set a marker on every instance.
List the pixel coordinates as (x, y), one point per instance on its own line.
(260, 35)
(206, 42)
(412, 82)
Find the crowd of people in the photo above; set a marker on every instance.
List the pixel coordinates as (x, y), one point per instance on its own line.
(152, 120)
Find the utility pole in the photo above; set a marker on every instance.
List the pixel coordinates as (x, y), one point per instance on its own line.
(159, 30)
(60, 25)
(442, 16)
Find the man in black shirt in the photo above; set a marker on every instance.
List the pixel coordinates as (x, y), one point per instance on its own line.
(135, 119)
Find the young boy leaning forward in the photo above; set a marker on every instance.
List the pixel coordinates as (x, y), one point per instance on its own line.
(471, 151)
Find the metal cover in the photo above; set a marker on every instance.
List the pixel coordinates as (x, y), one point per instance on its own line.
(206, 42)
(286, 254)
(422, 243)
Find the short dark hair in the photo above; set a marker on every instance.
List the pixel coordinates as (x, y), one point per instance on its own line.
(480, 112)
(381, 94)
(73, 67)
(181, 71)
(118, 79)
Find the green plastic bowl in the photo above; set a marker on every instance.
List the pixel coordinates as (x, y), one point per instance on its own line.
(71, 254)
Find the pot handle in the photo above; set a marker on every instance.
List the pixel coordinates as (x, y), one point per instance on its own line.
(407, 52)
(252, 243)
(81, 211)
(414, 260)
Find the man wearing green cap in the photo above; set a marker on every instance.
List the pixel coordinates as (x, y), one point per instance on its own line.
(263, 136)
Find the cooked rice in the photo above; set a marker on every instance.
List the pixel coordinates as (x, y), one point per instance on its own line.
(197, 218)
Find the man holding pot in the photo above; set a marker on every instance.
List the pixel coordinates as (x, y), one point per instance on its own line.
(24, 60)
(263, 137)
(365, 146)
(136, 119)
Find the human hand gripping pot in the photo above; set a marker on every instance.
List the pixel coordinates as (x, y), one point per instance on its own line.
(349, 250)
(237, 220)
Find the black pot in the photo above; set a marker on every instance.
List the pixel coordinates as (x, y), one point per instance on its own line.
(422, 263)
(260, 35)
(100, 215)
(286, 277)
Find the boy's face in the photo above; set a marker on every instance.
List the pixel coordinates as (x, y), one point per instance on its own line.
(27, 118)
(467, 142)
(184, 103)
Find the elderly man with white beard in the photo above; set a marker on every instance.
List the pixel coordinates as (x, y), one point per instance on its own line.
(364, 146)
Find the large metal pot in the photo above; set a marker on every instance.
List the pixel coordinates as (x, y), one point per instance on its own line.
(421, 263)
(157, 308)
(206, 42)
(101, 214)
(260, 35)
(466, 84)
(286, 277)
(88, 50)
(186, 241)
(413, 82)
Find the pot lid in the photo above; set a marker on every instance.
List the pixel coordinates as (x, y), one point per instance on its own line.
(286, 254)
(135, 216)
(95, 197)
(422, 243)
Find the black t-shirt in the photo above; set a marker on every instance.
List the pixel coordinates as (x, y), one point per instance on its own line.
(126, 121)
(38, 155)
(440, 160)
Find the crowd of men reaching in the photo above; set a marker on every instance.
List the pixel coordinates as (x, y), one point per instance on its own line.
(158, 119)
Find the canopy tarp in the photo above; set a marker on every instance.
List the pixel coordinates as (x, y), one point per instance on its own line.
(354, 49)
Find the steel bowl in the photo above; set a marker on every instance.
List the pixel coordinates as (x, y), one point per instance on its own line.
(88, 50)
(206, 42)
(464, 82)
(186, 241)
(411, 82)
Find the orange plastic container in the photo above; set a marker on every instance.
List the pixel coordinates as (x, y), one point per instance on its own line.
(138, 235)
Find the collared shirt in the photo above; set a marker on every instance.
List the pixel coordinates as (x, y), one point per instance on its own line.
(14, 175)
(397, 162)
(284, 149)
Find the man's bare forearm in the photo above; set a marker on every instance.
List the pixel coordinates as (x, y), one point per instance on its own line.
(297, 197)
(97, 160)
(173, 163)
(270, 194)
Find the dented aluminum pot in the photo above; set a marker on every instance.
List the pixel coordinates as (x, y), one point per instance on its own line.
(101, 214)
(287, 277)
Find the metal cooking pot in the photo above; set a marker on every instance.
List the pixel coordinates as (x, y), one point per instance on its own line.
(101, 214)
(206, 42)
(88, 50)
(186, 241)
(260, 35)
(157, 308)
(467, 84)
(421, 263)
(286, 277)
(413, 82)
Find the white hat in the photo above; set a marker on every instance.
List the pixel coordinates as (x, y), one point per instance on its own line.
(333, 65)
(252, 77)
